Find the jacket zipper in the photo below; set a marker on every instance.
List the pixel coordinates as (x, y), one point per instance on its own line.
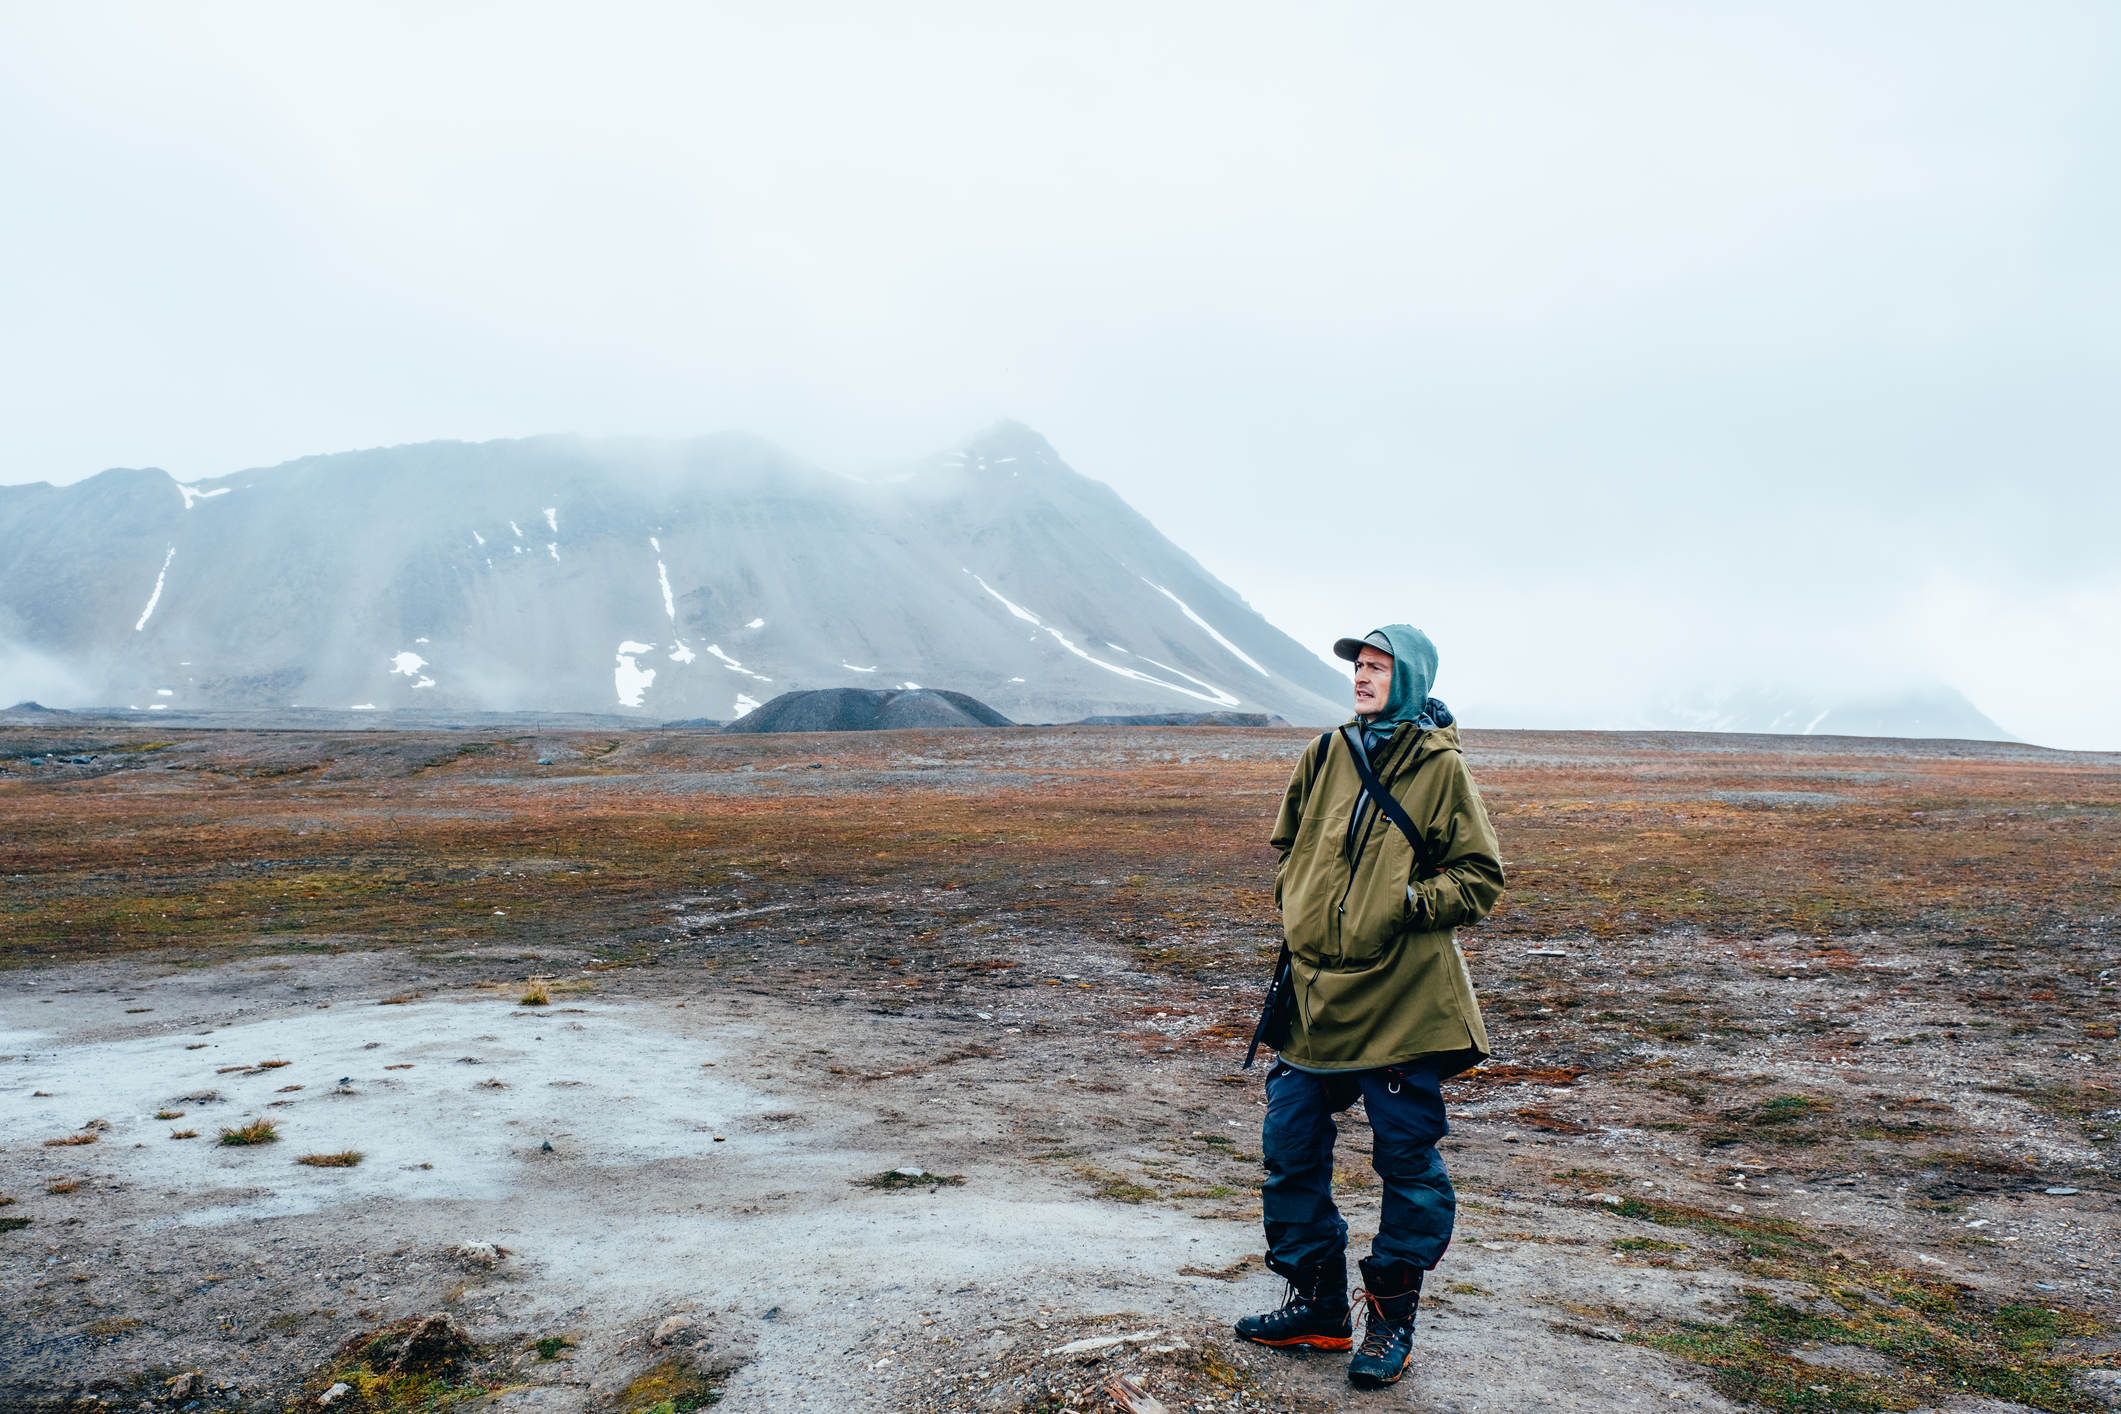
(1362, 845)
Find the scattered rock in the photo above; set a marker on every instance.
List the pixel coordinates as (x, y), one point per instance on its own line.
(188, 1385)
(336, 1393)
(2060, 1192)
(417, 1345)
(478, 1254)
(671, 1327)
(1092, 1344)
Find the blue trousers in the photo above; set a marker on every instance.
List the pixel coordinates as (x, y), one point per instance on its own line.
(1405, 1106)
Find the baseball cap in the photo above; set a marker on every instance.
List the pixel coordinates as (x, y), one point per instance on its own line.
(1351, 648)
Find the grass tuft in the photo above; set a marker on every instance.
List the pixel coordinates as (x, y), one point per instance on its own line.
(69, 1141)
(537, 993)
(258, 1131)
(184, 1134)
(344, 1159)
(900, 1178)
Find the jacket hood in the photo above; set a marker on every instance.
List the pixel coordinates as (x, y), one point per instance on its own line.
(1413, 674)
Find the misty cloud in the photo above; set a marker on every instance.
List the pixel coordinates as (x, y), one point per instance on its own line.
(1641, 354)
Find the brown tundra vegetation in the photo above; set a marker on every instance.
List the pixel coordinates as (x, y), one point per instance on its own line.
(898, 1071)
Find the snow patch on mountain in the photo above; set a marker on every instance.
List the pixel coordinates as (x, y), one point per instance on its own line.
(1187, 609)
(156, 597)
(732, 664)
(193, 495)
(1213, 694)
(662, 578)
(631, 679)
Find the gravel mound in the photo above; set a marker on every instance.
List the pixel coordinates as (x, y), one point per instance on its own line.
(858, 709)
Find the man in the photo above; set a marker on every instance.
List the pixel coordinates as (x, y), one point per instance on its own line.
(1371, 1001)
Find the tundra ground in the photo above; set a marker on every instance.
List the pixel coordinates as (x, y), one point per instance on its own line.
(898, 1071)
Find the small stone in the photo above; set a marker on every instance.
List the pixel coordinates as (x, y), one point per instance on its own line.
(671, 1327)
(477, 1254)
(922, 1173)
(2061, 1192)
(189, 1385)
(337, 1392)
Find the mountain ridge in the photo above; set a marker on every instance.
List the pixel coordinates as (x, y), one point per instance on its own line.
(692, 577)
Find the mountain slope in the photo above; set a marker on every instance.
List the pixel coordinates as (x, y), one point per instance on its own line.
(672, 579)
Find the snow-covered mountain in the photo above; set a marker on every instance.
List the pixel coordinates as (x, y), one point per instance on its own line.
(666, 579)
(1912, 712)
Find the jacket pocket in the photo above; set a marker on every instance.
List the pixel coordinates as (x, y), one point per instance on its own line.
(1375, 915)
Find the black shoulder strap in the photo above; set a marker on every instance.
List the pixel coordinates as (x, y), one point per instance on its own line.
(1375, 789)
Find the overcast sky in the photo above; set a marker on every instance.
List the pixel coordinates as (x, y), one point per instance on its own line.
(1636, 350)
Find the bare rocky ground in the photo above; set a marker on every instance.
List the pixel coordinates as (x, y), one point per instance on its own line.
(960, 1127)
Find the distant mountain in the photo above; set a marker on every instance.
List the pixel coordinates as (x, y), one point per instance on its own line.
(658, 579)
(1936, 712)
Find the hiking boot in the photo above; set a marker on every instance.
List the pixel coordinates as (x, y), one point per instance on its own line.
(1390, 1292)
(1314, 1316)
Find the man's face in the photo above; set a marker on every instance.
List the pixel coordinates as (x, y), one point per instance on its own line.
(1373, 681)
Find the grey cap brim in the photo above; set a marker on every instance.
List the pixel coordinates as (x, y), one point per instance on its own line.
(1351, 648)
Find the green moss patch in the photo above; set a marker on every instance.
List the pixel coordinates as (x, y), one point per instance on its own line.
(1945, 1340)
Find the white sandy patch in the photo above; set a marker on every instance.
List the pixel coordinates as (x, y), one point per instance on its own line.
(478, 1139)
(156, 597)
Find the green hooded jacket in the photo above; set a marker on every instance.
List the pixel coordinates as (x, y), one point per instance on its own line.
(1378, 978)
